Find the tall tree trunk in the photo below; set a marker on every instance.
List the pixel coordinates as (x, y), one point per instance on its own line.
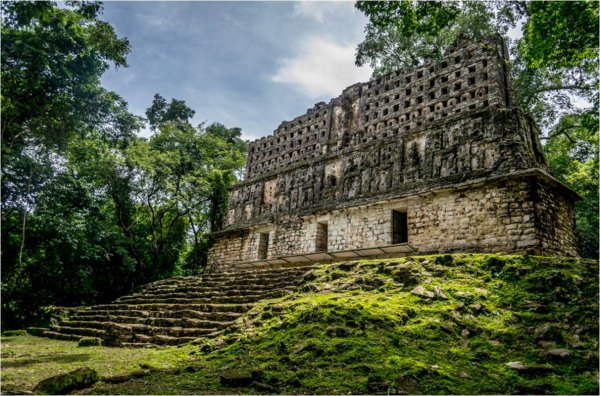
(24, 219)
(196, 246)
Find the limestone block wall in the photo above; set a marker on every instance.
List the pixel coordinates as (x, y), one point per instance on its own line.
(555, 221)
(363, 226)
(525, 215)
(476, 145)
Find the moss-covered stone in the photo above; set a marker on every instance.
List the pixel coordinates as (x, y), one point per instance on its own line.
(493, 333)
(89, 341)
(14, 333)
(64, 383)
(480, 313)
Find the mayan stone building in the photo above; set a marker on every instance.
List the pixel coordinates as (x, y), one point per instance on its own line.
(432, 159)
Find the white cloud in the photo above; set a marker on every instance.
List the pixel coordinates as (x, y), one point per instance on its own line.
(323, 68)
(318, 10)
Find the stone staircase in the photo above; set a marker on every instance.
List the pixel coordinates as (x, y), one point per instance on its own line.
(177, 310)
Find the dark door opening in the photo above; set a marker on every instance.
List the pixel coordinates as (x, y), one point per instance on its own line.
(321, 239)
(263, 245)
(399, 227)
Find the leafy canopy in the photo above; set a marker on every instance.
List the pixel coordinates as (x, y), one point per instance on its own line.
(90, 209)
(52, 60)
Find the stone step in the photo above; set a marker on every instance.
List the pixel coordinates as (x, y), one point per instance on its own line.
(261, 273)
(144, 340)
(229, 284)
(205, 294)
(225, 272)
(239, 308)
(80, 331)
(173, 280)
(254, 278)
(250, 279)
(168, 340)
(62, 336)
(180, 309)
(264, 275)
(121, 329)
(137, 345)
(240, 289)
(184, 313)
(164, 322)
(217, 299)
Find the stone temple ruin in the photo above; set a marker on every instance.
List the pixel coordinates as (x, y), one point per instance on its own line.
(427, 160)
(432, 159)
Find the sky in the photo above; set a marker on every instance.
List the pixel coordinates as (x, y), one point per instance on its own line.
(251, 65)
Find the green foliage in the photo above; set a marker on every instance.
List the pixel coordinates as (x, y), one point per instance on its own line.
(407, 33)
(14, 333)
(160, 113)
(182, 178)
(52, 60)
(57, 233)
(89, 341)
(561, 35)
(90, 210)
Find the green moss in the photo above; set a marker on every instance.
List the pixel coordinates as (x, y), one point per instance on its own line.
(89, 341)
(358, 329)
(63, 383)
(14, 333)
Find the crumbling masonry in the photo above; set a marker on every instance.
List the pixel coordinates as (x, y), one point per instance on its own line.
(432, 159)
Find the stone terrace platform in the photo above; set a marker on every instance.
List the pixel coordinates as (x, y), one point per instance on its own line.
(397, 250)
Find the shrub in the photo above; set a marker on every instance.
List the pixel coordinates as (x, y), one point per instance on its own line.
(89, 341)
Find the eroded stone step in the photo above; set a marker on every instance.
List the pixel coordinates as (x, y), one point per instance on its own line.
(206, 294)
(164, 322)
(138, 345)
(62, 336)
(121, 329)
(180, 309)
(264, 278)
(80, 331)
(249, 284)
(264, 275)
(238, 289)
(166, 340)
(257, 274)
(257, 271)
(184, 313)
(238, 308)
(217, 299)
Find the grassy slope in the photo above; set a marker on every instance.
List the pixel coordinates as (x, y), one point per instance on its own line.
(359, 329)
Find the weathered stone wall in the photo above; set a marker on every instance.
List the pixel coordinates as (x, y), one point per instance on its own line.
(477, 145)
(438, 124)
(555, 220)
(471, 76)
(521, 215)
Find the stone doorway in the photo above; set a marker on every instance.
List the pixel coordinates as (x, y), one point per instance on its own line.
(321, 237)
(399, 227)
(263, 245)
